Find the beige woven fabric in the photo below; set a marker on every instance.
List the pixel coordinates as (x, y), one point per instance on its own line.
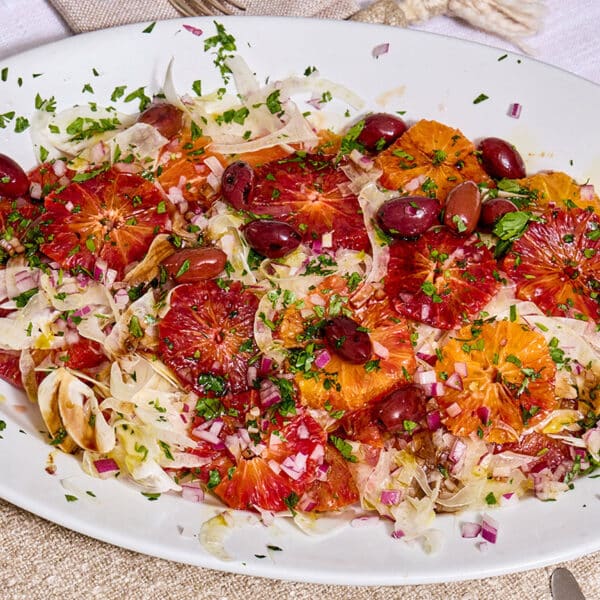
(43, 561)
(89, 15)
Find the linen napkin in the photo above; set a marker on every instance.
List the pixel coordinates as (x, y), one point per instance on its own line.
(89, 15)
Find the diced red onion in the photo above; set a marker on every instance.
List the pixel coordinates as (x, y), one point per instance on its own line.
(213, 181)
(318, 453)
(458, 450)
(275, 440)
(303, 433)
(470, 530)
(265, 365)
(434, 420)
(587, 192)
(214, 164)
(206, 436)
(192, 492)
(105, 465)
(483, 412)
(110, 277)
(193, 30)
(398, 534)
(430, 359)
(425, 310)
(71, 337)
(380, 49)
(59, 167)
(415, 183)
(306, 503)
(69, 206)
(514, 110)
(216, 427)
(361, 160)
(269, 393)
(121, 298)
(483, 546)
(322, 472)
(461, 368)
(455, 382)
(454, 410)
(274, 466)
(380, 350)
(425, 377)
(251, 375)
(434, 389)
(35, 190)
(175, 195)
(322, 358)
(391, 497)
(317, 246)
(489, 529)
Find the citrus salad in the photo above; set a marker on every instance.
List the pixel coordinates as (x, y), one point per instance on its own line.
(215, 297)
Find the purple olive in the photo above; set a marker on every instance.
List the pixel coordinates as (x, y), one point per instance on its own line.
(493, 210)
(404, 404)
(463, 207)
(380, 130)
(272, 239)
(237, 184)
(500, 159)
(13, 180)
(348, 340)
(408, 217)
(167, 119)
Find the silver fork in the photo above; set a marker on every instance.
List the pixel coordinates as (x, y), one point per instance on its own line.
(204, 8)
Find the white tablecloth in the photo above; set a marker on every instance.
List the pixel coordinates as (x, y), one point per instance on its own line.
(570, 37)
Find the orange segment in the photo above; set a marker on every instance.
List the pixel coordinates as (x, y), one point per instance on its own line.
(182, 165)
(509, 372)
(338, 383)
(440, 156)
(559, 189)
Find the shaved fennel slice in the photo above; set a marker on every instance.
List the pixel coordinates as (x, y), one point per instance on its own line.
(295, 130)
(71, 131)
(263, 335)
(224, 228)
(245, 80)
(370, 199)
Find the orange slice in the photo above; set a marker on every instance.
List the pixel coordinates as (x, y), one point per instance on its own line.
(509, 382)
(340, 384)
(432, 156)
(182, 165)
(559, 190)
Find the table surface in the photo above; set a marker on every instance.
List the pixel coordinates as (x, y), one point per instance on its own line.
(569, 40)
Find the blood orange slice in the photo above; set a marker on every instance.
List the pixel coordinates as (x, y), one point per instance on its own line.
(277, 477)
(309, 192)
(206, 337)
(335, 489)
(9, 368)
(509, 381)
(440, 279)
(549, 452)
(113, 216)
(556, 264)
(430, 157)
(340, 384)
(558, 190)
